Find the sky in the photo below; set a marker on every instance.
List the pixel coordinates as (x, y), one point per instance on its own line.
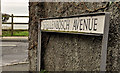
(16, 7)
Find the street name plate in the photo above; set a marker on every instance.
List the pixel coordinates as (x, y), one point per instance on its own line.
(78, 24)
(95, 23)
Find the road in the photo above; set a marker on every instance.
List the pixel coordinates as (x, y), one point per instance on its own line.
(15, 54)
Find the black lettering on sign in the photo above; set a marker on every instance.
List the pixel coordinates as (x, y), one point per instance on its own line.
(91, 24)
(88, 23)
(67, 24)
(75, 25)
(81, 24)
(62, 24)
(85, 25)
(95, 24)
(56, 24)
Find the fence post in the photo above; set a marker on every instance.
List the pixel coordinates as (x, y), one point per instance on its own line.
(12, 25)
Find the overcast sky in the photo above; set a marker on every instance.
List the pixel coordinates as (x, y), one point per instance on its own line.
(16, 7)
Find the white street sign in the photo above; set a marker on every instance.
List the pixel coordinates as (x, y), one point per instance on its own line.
(86, 24)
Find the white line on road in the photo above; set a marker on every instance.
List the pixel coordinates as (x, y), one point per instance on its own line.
(8, 45)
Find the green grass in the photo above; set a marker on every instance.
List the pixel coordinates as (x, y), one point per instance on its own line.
(15, 33)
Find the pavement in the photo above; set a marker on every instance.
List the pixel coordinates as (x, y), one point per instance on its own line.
(20, 39)
(17, 67)
(15, 54)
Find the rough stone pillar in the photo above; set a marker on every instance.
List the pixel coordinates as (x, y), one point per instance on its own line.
(36, 12)
(68, 52)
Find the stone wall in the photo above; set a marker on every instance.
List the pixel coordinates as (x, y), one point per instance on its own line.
(68, 52)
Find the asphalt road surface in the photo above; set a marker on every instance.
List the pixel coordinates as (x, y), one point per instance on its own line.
(15, 54)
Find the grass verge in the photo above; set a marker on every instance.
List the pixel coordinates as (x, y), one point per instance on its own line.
(15, 33)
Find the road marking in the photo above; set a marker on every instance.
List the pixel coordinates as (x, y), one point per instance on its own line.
(8, 45)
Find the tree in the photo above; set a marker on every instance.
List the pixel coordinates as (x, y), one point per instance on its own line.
(5, 17)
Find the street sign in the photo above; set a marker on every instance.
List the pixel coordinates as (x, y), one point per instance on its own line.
(88, 24)
(91, 24)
